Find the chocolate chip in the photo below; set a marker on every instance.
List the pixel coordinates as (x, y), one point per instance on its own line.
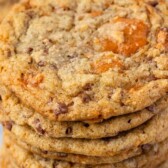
(146, 147)
(8, 125)
(86, 98)
(0, 98)
(53, 66)
(45, 152)
(165, 29)
(151, 108)
(45, 50)
(129, 121)
(68, 130)
(86, 125)
(41, 63)
(71, 104)
(62, 109)
(88, 86)
(70, 56)
(62, 154)
(153, 3)
(29, 50)
(39, 127)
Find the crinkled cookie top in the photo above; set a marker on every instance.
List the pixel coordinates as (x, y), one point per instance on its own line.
(86, 59)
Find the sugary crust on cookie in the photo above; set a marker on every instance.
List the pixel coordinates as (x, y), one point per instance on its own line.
(13, 110)
(152, 132)
(97, 59)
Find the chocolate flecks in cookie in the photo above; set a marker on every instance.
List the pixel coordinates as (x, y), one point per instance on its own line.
(151, 108)
(86, 98)
(8, 125)
(29, 50)
(153, 3)
(72, 56)
(147, 147)
(38, 126)
(62, 109)
(45, 152)
(41, 63)
(88, 86)
(86, 125)
(71, 104)
(129, 121)
(69, 130)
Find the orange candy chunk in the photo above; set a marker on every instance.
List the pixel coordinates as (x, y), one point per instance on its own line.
(96, 13)
(105, 63)
(162, 38)
(134, 33)
(31, 79)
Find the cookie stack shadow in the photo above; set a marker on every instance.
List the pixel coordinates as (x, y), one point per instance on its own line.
(51, 125)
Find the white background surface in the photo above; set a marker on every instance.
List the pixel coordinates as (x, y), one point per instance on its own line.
(0, 135)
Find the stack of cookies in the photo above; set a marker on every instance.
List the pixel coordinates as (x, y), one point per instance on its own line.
(84, 84)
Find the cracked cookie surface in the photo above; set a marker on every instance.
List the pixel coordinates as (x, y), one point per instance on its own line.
(86, 60)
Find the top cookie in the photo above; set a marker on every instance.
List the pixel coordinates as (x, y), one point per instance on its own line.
(83, 59)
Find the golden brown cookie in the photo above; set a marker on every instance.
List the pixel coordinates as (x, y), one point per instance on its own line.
(153, 156)
(13, 110)
(151, 132)
(86, 60)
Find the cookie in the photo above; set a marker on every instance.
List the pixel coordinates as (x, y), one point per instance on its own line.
(12, 109)
(5, 7)
(97, 59)
(152, 156)
(152, 132)
(82, 159)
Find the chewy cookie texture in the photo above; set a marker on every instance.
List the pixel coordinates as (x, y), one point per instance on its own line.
(96, 59)
(84, 84)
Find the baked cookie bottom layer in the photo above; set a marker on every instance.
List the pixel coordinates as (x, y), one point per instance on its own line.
(151, 132)
(151, 159)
